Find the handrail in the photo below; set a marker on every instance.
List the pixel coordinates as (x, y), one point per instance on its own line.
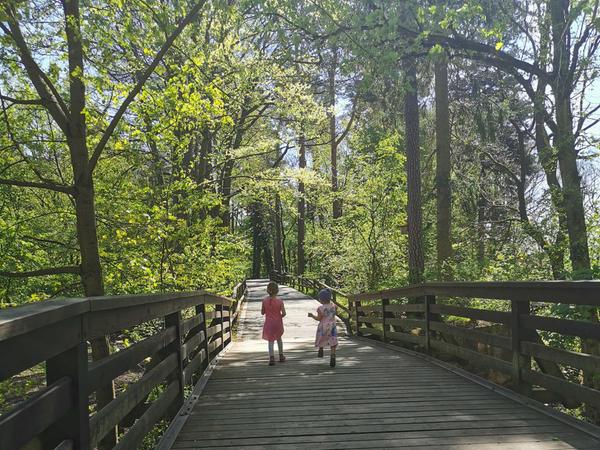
(56, 333)
(575, 292)
(422, 317)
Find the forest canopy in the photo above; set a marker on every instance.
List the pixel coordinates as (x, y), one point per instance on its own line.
(165, 146)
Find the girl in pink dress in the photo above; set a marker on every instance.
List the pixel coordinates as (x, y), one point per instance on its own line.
(274, 312)
(327, 329)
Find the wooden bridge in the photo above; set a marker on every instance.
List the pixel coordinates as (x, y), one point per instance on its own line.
(220, 393)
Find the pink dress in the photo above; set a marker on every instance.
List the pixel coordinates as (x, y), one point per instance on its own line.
(273, 327)
(327, 329)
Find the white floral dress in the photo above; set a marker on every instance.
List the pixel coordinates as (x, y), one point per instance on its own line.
(327, 329)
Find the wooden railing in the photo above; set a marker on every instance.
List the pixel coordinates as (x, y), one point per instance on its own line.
(312, 287)
(189, 330)
(507, 331)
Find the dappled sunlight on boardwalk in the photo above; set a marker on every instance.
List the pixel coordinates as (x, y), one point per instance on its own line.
(374, 398)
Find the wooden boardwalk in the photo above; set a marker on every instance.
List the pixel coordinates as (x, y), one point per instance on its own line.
(375, 398)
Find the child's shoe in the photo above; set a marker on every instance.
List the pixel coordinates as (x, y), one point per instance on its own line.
(281, 357)
(271, 360)
(332, 361)
(320, 352)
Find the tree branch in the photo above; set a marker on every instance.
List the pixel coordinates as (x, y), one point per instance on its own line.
(76, 270)
(50, 97)
(32, 184)
(16, 101)
(141, 81)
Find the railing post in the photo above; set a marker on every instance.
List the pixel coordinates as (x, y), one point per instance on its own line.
(429, 300)
(229, 322)
(356, 306)
(201, 309)
(519, 361)
(75, 425)
(384, 303)
(221, 309)
(171, 320)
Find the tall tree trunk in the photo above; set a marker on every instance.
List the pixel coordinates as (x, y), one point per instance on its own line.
(301, 210)
(277, 242)
(555, 256)
(565, 141)
(556, 252)
(567, 162)
(481, 232)
(85, 212)
(416, 264)
(337, 202)
(255, 220)
(443, 167)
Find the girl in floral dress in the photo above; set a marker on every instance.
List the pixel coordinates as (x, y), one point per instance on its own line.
(274, 312)
(326, 330)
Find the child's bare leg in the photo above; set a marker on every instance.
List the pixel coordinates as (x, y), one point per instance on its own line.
(280, 346)
(332, 358)
(271, 348)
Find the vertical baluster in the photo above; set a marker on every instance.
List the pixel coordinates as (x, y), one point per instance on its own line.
(429, 300)
(221, 309)
(171, 320)
(201, 309)
(386, 327)
(519, 361)
(356, 306)
(75, 425)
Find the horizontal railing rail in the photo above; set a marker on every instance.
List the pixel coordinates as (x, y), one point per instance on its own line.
(188, 330)
(510, 326)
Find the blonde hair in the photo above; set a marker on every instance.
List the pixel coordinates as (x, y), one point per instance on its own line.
(272, 288)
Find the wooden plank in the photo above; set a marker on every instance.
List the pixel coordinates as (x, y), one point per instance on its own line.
(100, 323)
(472, 313)
(370, 309)
(193, 366)
(574, 292)
(369, 330)
(117, 302)
(26, 351)
(473, 335)
(192, 322)
(218, 299)
(564, 326)
(26, 318)
(406, 337)
(158, 409)
(31, 417)
(192, 343)
(473, 357)
(214, 345)
(110, 416)
(211, 315)
(107, 369)
(211, 331)
(560, 356)
(368, 319)
(407, 307)
(407, 323)
(577, 391)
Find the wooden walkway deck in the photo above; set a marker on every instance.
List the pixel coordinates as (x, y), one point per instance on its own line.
(375, 398)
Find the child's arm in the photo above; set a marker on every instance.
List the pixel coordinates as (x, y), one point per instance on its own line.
(318, 317)
(283, 313)
(262, 309)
